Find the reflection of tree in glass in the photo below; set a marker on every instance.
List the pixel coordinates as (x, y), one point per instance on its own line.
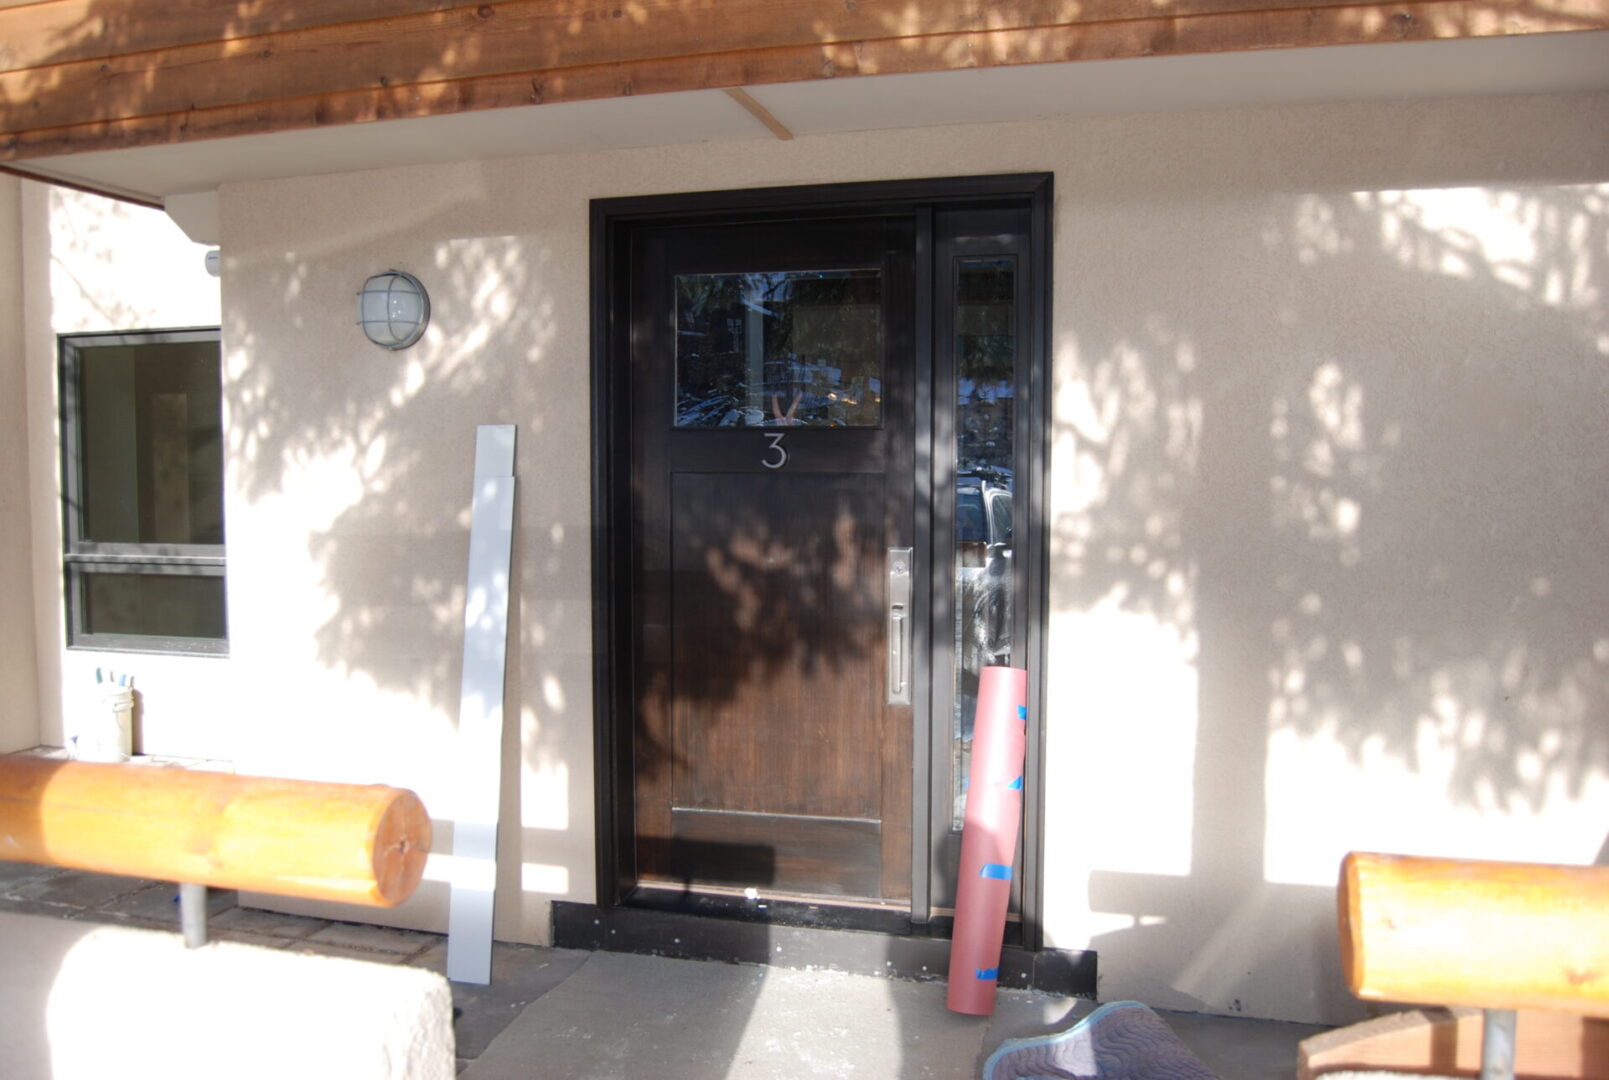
(744, 339)
(985, 355)
(709, 334)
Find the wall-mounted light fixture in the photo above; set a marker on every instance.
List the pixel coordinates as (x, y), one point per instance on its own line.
(393, 309)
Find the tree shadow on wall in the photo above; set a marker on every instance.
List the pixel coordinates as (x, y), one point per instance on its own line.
(1373, 531)
(362, 460)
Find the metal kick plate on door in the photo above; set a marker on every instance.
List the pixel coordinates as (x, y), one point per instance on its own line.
(899, 626)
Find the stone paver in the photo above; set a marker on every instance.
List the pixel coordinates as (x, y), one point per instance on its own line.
(16, 874)
(158, 903)
(349, 952)
(267, 923)
(246, 937)
(373, 938)
(79, 888)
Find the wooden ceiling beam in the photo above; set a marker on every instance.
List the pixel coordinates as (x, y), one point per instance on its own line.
(40, 33)
(496, 39)
(351, 93)
(507, 38)
(62, 31)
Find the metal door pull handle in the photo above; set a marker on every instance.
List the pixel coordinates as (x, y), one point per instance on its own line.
(899, 626)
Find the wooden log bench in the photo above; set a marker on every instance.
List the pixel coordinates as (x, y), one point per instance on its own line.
(359, 844)
(84, 1002)
(1520, 945)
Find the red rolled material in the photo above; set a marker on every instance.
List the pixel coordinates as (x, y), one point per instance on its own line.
(988, 839)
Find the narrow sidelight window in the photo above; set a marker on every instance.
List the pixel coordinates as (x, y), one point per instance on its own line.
(143, 483)
(986, 376)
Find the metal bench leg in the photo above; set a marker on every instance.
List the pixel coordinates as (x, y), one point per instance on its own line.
(1497, 1045)
(193, 914)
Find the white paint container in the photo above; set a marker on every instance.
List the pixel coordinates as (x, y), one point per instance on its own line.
(106, 733)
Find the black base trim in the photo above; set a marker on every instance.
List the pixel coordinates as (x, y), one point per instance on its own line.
(761, 940)
(782, 911)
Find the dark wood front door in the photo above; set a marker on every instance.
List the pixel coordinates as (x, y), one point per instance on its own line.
(772, 432)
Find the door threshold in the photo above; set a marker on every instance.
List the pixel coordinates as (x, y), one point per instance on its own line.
(782, 909)
(711, 935)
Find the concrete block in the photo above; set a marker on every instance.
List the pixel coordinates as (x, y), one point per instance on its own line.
(81, 1002)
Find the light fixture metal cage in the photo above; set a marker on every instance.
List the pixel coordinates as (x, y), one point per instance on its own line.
(393, 309)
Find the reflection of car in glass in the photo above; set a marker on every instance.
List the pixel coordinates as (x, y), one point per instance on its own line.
(983, 584)
(982, 512)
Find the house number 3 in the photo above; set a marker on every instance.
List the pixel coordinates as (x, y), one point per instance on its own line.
(775, 439)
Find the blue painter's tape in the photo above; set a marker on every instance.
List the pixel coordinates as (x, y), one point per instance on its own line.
(987, 973)
(1015, 785)
(1022, 712)
(997, 871)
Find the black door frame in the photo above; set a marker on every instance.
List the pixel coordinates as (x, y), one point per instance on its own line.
(614, 223)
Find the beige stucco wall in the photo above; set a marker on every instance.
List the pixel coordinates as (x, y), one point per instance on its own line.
(19, 679)
(1328, 523)
(1326, 520)
(92, 264)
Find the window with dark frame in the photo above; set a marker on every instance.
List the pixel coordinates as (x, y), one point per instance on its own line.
(142, 439)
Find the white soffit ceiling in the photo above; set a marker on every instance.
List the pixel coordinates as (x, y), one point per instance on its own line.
(1552, 63)
(1547, 63)
(654, 120)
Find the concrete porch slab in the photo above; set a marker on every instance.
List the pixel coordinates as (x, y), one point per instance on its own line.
(577, 1014)
(623, 1016)
(626, 1016)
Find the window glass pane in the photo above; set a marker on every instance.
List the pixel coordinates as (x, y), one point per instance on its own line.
(780, 349)
(150, 443)
(986, 360)
(153, 605)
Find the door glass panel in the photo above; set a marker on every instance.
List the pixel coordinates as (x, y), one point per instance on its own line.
(798, 348)
(985, 419)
